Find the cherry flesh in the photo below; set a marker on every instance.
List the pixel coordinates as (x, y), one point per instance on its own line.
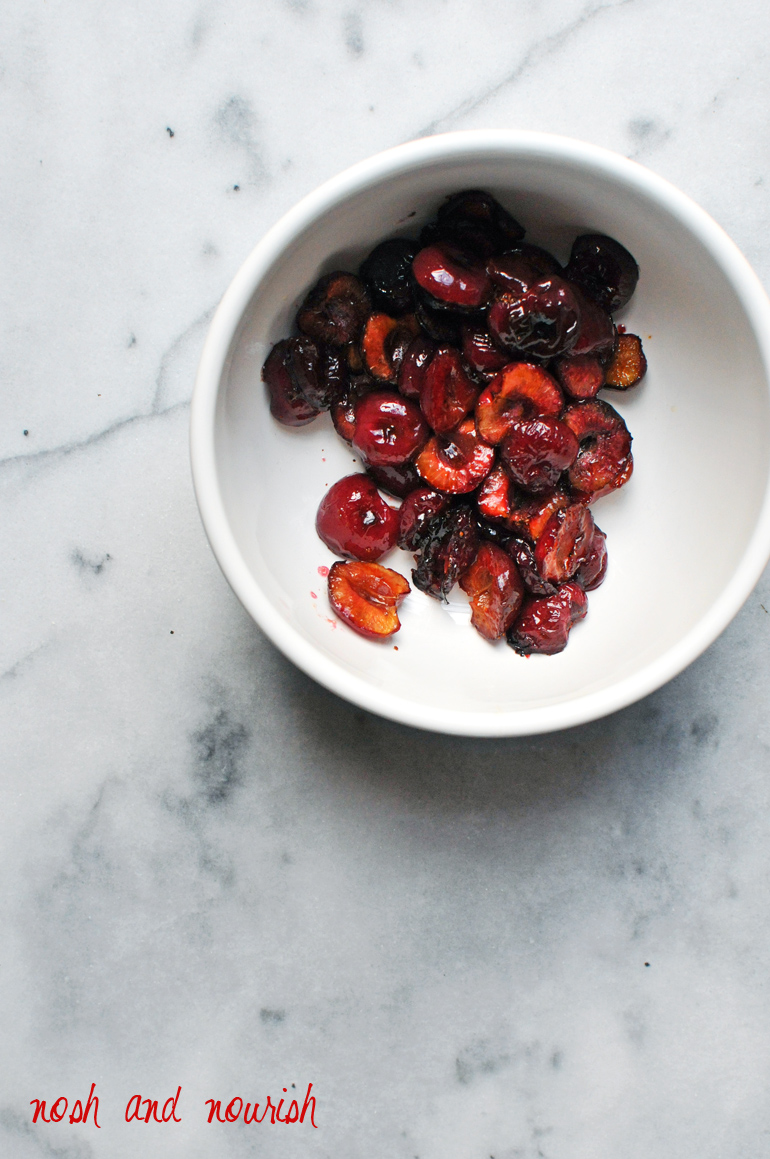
(604, 461)
(384, 343)
(520, 390)
(496, 591)
(418, 509)
(365, 596)
(545, 622)
(536, 451)
(335, 310)
(592, 571)
(456, 463)
(389, 428)
(581, 375)
(448, 393)
(628, 365)
(565, 544)
(447, 549)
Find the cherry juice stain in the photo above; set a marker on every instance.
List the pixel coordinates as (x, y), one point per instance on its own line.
(323, 571)
(313, 596)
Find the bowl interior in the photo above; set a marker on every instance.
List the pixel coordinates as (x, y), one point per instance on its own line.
(676, 532)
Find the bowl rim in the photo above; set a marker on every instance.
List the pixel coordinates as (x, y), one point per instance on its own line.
(213, 365)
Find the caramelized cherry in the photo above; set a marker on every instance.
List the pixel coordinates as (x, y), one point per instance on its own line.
(411, 376)
(447, 549)
(628, 365)
(545, 622)
(335, 309)
(397, 479)
(536, 451)
(604, 461)
(581, 375)
(354, 520)
(480, 352)
(542, 321)
(604, 270)
(365, 596)
(291, 375)
(456, 462)
(496, 591)
(524, 556)
(448, 393)
(389, 428)
(418, 509)
(566, 544)
(384, 343)
(452, 277)
(343, 408)
(387, 274)
(592, 571)
(520, 390)
(495, 497)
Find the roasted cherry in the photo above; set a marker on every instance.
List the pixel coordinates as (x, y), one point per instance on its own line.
(456, 462)
(604, 269)
(387, 274)
(453, 278)
(478, 206)
(495, 497)
(448, 547)
(416, 512)
(448, 393)
(565, 544)
(628, 365)
(365, 596)
(343, 408)
(389, 428)
(520, 390)
(411, 376)
(524, 557)
(604, 461)
(597, 332)
(355, 521)
(495, 589)
(592, 571)
(480, 352)
(384, 343)
(397, 479)
(440, 325)
(335, 309)
(542, 321)
(529, 514)
(544, 624)
(581, 375)
(291, 374)
(536, 451)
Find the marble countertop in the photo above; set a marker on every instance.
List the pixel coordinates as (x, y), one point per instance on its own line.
(215, 874)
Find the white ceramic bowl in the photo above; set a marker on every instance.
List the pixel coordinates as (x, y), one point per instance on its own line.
(688, 536)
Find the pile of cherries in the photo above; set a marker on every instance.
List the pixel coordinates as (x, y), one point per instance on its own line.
(464, 369)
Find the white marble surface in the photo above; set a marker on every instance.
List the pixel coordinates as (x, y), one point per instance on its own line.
(214, 873)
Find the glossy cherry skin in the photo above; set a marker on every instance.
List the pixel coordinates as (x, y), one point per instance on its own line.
(542, 321)
(536, 451)
(343, 408)
(604, 270)
(592, 571)
(414, 366)
(390, 429)
(448, 393)
(496, 591)
(365, 596)
(522, 553)
(397, 479)
(565, 544)
(354, 520)
(597, 331)
(291, 375)
(545, 622)
(416, 512)
(521, 390)
(387, 274)
(495, 495)
(480, 352)
(452, 277)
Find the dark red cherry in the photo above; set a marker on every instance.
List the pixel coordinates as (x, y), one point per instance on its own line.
(592, 571)
(481, 208)
(456, 463)
(536, 451)
(397, 479)
(581, 375)
(604, 270)
(604, 461)
(529, 514)
(438, 324)
(545, 622)
(452, 277)
(411, 376)
(335, 309)
(384, 343)
(291, 374)
(495, 497)
(597, 331)
(520, 390)
(446, 550)
(387, 275)
(448, 393)
(496, 591)
(416, 512)
(565, 544)
(343, 408)
(480, 352)
(542, 321)
(524, 556)
(354, 520)
(389, 428)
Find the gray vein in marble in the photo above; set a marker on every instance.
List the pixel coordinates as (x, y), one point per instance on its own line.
(539, 51)
(14, 1124)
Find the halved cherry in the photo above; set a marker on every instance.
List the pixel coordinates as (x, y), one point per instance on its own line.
(542, 320)
(335, 309)
(530, 514)
(566, 544)
(495, 497)
(496, 591)
(389, 428)
(354, 520)
(592, 571)
(604, 461)
(597, 332)
(480, 352)
(291, 375)
(397, 479)
(384, 343)
(581, 375)
(446, 550)
(414, 366)
(604, 270)
(416, 512)
(628, 365)
(520, 390)
(452, 277)
(545, 622)
(456, 462)
(524, 556)
(448, 393)
(536, 451)
(365, 596)
(343, 408)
